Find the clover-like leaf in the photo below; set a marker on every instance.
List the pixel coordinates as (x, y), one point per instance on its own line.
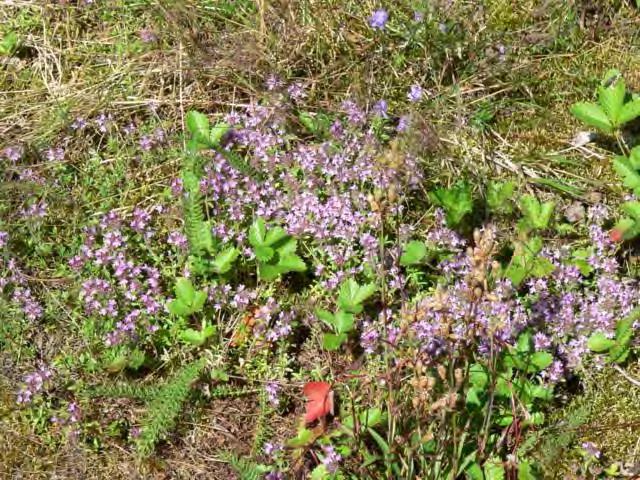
(599, 342)
(224, 260)
(198, 125)
(184, 290)
(630, 111)
(217, 132)
(413, 253)
(611, 99)
(179, 308)
(332, 341)
(592, 115)
(343, 321)
(257, 232)
(629, 174)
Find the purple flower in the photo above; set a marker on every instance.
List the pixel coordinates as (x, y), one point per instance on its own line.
(418, 16)
(147, 35)
(4, 237)
(296, 91)
(178, 240)
(415, 93)
(591, 449)
(273, 82)
(55, 154)
(79, 123)
(272, 389)
(378, 19)
(380, 108)
(331, 459)
(403, 123)
(13, 154)
(146, 143)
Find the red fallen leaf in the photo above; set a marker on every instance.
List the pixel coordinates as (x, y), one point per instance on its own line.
(319, 400)
(616, 235)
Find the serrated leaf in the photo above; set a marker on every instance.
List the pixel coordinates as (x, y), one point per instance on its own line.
(223, 262)
(619, 353)
(274, 235)
(257, 232)
(193, 337)
(632, 209)
(291, 263)
(343, 322)
(630, 111)
(627, 172)
(352, 295)
(493, 469)
(326, 316)
(634, 157)
(499, 195)
(525, 471)
(592, 115)
(611, 99)
(524, 343)
(304, 437)
(117, 365)
(179, 308)
(263, 253)
(541, 392)
(332, 341)
(217, 132)
(199, 300)
(478, 376)
(198, 125)
(269, 272)
(413, 253)
(624, 327)
(184, 290)
(473, 398)
(541, 360)
(286, 246)
(598, 342)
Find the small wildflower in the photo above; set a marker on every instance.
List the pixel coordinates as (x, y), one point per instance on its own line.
(380, 108)
(379, 19)
(4, 236)
(296, 91)
(415, 93)
(147, 35)
(331, 459)
(272, 389)
(418, 16)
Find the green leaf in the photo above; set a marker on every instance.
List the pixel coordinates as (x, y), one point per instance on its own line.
(611, 99)
(478, 376)
(199, 300)
(525, 471)
(179, 308)
(320, 472)
(473, 398)
(304, 438)
(493, 469)
(627, 172)
(274, 235)
(117, 365)
(332, 341)
(541, 360)
(536, 215)
(632, 209)
(291, 263)
(184, 290)
(474, 472)
(9, 43)
(413, 253)
(634, 157)
(192, 337)
(136, 359)
(499, 195)
(198, 125)
(286, 246)
(343, 322)
(224, 260)
(592, 115)
(326, 316)
(524, 343)
(542, 393)
(630, 111)
(269, 272)
(456, 201)
(352, 295)
(619, 353)
(217, 132)
(263, 253)
(624, 327)
(257, 232)
(598, 342)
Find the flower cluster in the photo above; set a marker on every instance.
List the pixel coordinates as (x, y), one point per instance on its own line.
(34, 383)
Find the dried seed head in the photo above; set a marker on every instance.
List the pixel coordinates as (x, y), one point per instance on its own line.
(442, 372)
